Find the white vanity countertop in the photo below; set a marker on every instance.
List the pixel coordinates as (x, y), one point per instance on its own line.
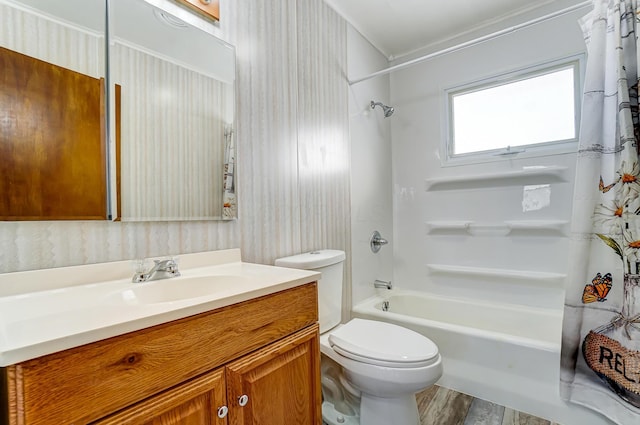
(53, 316)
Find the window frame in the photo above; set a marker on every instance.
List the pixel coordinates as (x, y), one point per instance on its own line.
(553, 147)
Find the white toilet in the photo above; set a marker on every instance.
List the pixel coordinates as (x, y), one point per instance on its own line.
(370, 370)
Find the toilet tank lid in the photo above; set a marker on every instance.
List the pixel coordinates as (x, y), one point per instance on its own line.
(312, 260)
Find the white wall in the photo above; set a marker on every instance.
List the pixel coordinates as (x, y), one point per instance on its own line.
(418, 129)
(371, 201)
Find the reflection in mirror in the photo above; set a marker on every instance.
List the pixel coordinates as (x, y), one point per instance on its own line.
(67, 33)
(177, 110)
(52, 110)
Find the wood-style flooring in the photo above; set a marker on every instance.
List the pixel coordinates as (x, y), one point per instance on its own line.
(440, 406)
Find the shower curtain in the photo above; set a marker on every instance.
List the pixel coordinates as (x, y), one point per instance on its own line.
(600, 361)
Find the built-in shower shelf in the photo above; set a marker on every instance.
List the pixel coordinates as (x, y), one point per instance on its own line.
(524, 176)
(502, 274)
(505, 228)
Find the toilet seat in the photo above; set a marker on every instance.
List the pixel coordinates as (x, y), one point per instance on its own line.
(383, 344)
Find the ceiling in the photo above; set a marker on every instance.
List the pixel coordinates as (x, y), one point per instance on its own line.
(401, 27)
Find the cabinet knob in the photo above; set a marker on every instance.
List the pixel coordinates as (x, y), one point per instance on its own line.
(243, 400)
(205, 2)
(222, 411)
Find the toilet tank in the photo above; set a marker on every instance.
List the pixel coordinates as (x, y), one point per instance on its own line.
(331, 264)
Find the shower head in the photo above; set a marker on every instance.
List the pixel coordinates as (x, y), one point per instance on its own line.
(388, 110)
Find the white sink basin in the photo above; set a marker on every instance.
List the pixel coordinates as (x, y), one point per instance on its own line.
(177, 289)
(50, 310)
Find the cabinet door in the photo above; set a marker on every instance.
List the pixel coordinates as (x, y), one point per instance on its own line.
(281, 383)
(194, 403)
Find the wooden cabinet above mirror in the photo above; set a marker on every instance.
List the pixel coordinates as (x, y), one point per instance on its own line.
(209, 8)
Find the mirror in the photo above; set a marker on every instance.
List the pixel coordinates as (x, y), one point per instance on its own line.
(175, 119)
(169, 121)
(52, 110)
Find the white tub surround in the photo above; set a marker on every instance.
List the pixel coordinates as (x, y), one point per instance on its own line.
(49, 310)
(507, 354)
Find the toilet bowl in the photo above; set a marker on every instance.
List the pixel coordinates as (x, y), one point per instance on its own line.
(381, 365)
(387, 364)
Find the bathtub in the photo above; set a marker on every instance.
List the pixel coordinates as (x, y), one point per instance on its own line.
(506, 354)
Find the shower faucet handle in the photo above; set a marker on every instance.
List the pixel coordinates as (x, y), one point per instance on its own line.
(377, 241)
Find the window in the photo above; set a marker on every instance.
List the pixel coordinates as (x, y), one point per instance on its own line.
(524, 113)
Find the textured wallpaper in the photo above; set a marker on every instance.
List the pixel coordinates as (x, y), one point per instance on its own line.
(293, 129)
(293, 154)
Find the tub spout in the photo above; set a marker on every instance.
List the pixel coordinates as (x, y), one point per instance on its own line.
(382, 284)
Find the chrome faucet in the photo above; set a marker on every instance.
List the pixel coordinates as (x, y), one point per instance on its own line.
(382, 284)
(162, 269)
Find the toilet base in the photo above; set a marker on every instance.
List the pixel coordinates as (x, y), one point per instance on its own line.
(384, 411)
(376, 411)
(330, 416)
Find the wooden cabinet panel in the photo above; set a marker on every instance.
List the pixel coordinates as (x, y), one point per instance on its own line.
(51, 142)
(193, 403)
(86, 383)
(208, 8)
(282, 383)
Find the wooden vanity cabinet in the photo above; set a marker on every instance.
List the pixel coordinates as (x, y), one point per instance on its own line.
(195, 403)
(274, 385)
(182, 372)
(279, 382)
